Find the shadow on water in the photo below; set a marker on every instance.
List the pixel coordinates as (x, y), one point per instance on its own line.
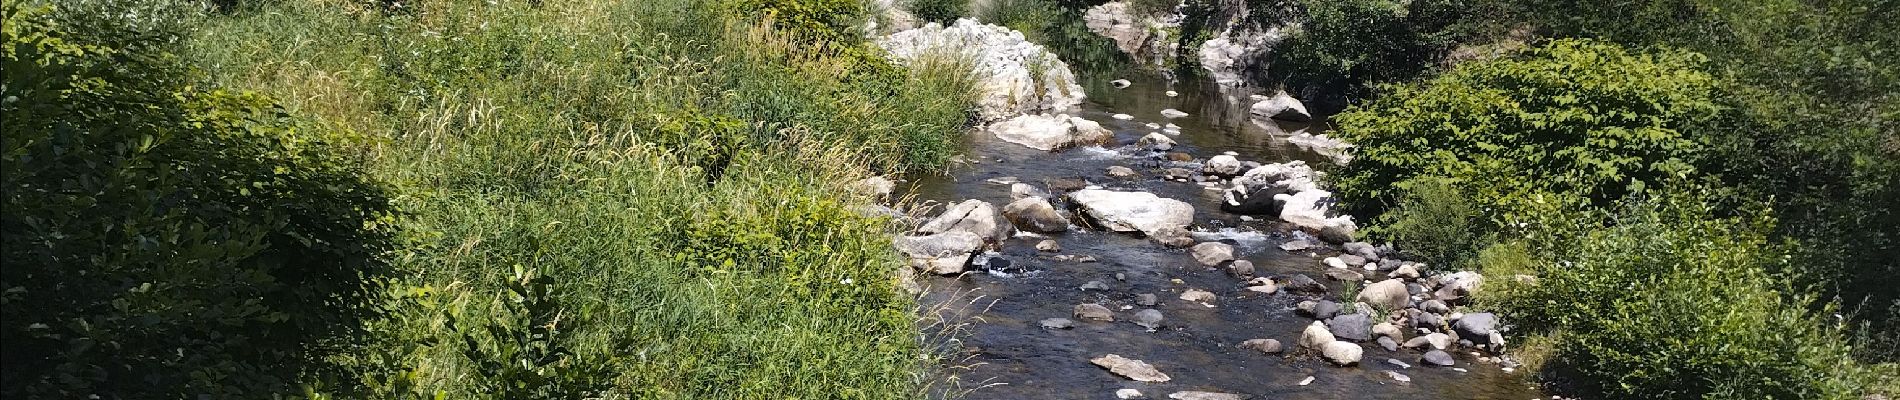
(1196, 344)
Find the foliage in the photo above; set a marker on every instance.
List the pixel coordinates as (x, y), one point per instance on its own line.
(1580, 119)
(677, 175)
(1058, 26)
(822, 20)
(1670, 301)
(163, 240)
(1816, 88)
(1337, 50)
(1436, 221)
(939, 11)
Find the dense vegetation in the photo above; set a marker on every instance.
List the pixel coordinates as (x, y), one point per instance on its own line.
(457, 199)
(1662, 222)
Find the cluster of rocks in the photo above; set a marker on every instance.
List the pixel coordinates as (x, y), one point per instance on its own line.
(1403, 309)
(950, 242)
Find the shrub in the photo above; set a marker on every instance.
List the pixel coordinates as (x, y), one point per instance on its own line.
(1575, 118)
(939, 11)
(167, 241)
(1337, 50)
(1672, 302)
(1436, 221)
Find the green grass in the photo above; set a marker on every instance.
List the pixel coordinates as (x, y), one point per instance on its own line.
(677, 172)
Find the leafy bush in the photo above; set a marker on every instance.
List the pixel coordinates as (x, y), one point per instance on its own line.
(1581, 119)
(939, 11)
(1436, 221)
(1816, 88)
(167, 241)
(1673, 302)
(1340, 49)
(821, 20)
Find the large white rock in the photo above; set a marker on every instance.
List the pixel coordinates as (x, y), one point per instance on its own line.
(1342, 353)
(1018, 77)
(944, 253)
(973, 216)
(1282, 107)
(1225, 56)
(1222, 165)
(1308, 209)
(1050, 132)
(1133, 211)
(1130, 368)
(1142, 37)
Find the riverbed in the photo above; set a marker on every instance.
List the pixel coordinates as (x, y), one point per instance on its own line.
(1002, 352)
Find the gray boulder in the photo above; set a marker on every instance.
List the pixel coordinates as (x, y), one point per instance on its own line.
(1354, 327)
(1034, 214)
(1148, 318)
(1212, 253)
(1133, 211)
(1387, 295)
(1476, 326)
(1437, 358)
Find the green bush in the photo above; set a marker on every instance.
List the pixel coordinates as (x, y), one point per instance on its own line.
(1814, 83)
(1341, 49)
(939, 11)
(1058, 26)
(1673, 302)
(1435, 220)
(167, 241)
(1580, 119)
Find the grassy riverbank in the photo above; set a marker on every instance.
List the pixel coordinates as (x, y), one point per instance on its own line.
(645, 199)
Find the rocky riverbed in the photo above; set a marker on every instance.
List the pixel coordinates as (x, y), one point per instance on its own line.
(1173, 240)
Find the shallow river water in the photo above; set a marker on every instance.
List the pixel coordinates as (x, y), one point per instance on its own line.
(1003, 353)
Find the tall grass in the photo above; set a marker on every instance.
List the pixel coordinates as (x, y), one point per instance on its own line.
(676, 176)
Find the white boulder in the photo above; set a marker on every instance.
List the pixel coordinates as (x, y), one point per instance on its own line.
(1133, 211)
(1017, 77)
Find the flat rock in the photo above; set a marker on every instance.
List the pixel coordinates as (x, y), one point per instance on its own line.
(1345, 275)
(1476, 326)
(1133, 211)
(1195, 395)
(945, 253)
(1296, 245)
(1212, 253)
(1094, 312)
(1437, 358)
(1240, 268)
(1048, 245)
(1130, 368)
(1148, 318)
(1269, 346)
(1057, 323)
(1126, 394)
(973, 216)
(1303, 283)
(1122, 172)
(1198, 295)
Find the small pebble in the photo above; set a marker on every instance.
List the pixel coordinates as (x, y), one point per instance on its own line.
(1308, 380)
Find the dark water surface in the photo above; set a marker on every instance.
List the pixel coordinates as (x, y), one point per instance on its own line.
(1009, 356)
